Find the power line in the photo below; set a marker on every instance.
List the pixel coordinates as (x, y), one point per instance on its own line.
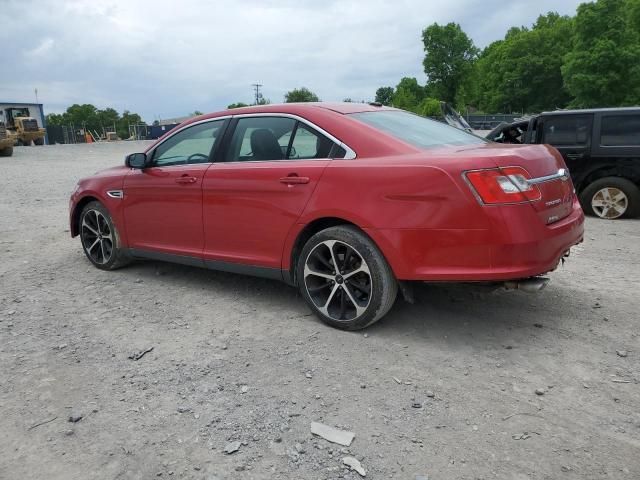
(256, 87)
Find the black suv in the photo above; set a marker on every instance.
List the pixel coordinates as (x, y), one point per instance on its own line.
(601, 147)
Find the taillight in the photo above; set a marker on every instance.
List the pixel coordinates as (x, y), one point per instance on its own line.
(503, 185)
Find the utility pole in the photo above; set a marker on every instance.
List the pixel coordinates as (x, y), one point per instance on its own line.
(256, 87)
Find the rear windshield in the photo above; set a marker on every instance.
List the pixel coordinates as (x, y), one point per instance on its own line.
(416, 130)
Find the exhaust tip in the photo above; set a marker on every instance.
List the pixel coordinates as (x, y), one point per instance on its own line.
(528, 285)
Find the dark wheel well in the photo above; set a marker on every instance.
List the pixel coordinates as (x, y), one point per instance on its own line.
(309, 231)
(611, 171)
(75, 217)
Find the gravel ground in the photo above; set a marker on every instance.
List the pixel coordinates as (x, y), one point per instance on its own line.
(443, 389)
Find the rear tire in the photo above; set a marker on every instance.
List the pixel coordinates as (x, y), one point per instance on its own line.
(39, 141)
(611, 198)
(356, 294)
(100, 239)
(6, 152)
(25, 143)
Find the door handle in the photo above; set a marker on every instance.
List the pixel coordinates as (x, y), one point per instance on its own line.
(294, 180)
(574, 156)
(186, 179)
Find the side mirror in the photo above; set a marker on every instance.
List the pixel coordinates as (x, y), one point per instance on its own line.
(136, 160)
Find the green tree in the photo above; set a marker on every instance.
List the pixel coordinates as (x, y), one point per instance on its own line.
(54, 119)
(449, 57)
(107, 118)
(237, 105)
(302, 94)
(429, 107)
(408, 94)
(603, 67)
(125, 121)
(196, 113)
(384, 95)
(522, 73)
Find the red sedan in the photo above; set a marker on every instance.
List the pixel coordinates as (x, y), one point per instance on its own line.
(342, 200)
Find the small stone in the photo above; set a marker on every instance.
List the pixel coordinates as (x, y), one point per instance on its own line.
(75, 418)
(68, 433)
(537, 325)
(430, 394)
(224, 347)
(183, 409)
(416, 405)
(244, 389)
(362, 385)
(331, 434)
(565, 468)
(240, 468)
(232, 447)
(540, 391)
(11, 312)
(474, 428)
(299, 448)
(366, 335)
(354, 464)
(621, 353)
(308, 375)
(138, 280)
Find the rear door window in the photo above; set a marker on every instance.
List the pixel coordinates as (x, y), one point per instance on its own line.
(620, 131)
(567, 130)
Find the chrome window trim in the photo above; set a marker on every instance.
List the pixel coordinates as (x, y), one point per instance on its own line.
(349, 155)
(176, 131)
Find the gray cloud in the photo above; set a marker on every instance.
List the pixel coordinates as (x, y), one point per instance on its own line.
(165, 58)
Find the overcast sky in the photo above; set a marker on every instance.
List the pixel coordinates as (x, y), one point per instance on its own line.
(166, 58)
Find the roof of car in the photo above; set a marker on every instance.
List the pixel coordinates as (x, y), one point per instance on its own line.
(590, 110)
(297, 108)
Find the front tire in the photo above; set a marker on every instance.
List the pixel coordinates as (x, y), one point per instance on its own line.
(611, 198)
(39, 141)
(6, 152)
(25, 143)
(345, 279)
(100, 239)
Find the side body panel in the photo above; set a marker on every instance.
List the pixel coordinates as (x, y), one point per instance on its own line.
(163, 209)
(249, 209)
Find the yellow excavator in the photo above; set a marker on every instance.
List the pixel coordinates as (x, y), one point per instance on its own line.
(23, 126)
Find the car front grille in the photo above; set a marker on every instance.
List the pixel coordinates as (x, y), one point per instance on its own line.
(30, 125)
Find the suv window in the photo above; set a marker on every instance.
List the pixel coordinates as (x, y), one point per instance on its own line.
(620, 130)
(567, 130)
(191, 145)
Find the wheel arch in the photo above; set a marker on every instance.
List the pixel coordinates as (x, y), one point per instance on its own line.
(608, 171)
(75, 215)
(306, 233)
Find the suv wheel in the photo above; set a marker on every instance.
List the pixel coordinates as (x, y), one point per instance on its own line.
(100, 239)
(611, 198)
(345, 279)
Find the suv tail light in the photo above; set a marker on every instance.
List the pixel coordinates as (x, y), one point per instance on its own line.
(503, 185)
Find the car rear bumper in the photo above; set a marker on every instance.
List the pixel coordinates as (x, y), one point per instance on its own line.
(516, 245)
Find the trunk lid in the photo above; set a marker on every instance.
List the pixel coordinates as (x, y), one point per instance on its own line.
(545, 166)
